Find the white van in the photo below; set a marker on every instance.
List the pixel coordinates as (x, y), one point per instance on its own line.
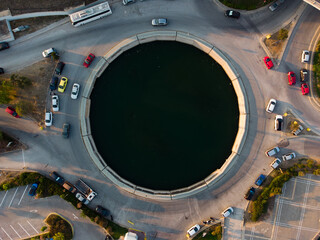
(275, 163)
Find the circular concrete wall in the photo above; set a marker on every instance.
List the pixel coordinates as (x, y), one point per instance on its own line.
(213, 52)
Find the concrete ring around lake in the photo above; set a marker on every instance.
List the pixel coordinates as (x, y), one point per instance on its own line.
(214, 53)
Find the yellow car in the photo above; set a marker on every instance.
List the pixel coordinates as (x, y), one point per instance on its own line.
(62, 84)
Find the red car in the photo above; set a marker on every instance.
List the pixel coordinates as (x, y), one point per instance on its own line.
(12, 111)
(291, 78)
(268, 62)
(89, 60)
(304, 89)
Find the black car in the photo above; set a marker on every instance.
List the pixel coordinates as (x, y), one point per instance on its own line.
(250, 193)
(4, 45)
(101, 210)
(57, 177)
(232, 14)
(53, 83)
(59, 68)
(1, 71)
(65, 130)
(303, 75)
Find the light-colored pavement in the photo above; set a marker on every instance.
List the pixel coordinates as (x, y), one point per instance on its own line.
(239, 40)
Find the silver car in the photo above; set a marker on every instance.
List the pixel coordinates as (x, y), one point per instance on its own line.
(159, 22)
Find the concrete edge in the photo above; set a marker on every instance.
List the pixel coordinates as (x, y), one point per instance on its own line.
(213, 52)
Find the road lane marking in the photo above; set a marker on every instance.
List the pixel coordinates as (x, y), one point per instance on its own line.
(24, 162)
(3, 198)
(74, 216)
(32, 226)
(16, 232)
(6, 233)
(22, 195)
(24, 229)
(13, 197)
(33, 211)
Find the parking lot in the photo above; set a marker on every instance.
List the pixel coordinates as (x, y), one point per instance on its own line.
(296, 212)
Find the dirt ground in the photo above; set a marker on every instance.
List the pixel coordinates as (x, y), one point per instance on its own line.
(6, 175)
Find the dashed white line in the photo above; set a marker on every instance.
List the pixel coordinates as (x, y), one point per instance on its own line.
(24, 162)
(32, 226)
(22, 195)
(6, 233)
(24, 229)
(3, 198)
(15, 231)
(13, 197)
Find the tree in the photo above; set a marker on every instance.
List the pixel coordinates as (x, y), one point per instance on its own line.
(283, 34)
(58, 236)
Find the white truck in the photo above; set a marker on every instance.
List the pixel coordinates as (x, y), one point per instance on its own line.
(85, 189)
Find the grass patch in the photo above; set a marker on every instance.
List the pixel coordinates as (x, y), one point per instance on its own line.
(211, 233)
(245, 4)
(316, 68)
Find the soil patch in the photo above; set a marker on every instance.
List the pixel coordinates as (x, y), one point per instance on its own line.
(8, 175)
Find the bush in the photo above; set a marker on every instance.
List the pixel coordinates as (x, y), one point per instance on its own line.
(20, 81)
(24, 107)
(283, 34)
(43, 228)
(317, 172)
(7, 92)
(59, 225)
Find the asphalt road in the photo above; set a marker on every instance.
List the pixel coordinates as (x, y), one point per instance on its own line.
(238, 39)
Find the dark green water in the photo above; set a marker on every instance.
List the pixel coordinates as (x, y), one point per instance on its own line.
(164, 115)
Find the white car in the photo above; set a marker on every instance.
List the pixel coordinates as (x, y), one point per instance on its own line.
(227, 212)
(55, 103)
(193, 230)
(125, 2)
(48, 119)
(271, 105)
(47, 53)
(272, 151)
(75, 91)
(278, 123)
(305, 56)
(288, 156)
(275, 163)
(159, 22)
(82, 198)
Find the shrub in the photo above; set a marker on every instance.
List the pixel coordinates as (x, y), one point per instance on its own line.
(317, 172)
(283, 34)
(7, 92)
(24, 107)
(20, 81)
(43, 228)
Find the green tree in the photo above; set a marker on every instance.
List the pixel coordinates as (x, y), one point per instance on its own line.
(283, 34)
(58, 236)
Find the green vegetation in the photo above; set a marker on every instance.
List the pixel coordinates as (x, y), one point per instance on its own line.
(245, 4)
(43, 228)
(283, 34)
(48, 188)
(260, 205)
(24, 107)
(316, 68)
(20, 81)
(59, 228)
(7, 92)
(212, 233)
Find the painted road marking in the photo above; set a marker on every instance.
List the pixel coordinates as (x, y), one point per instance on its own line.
(6, 233)
(13, 197)
(74, 216)
(15, 231)
(32, 226)
(3, 198)
(130, 222)
(33, 211)
(24, 229)
(22, 195)
(24, 162)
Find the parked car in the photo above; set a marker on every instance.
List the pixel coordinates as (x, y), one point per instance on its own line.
(53, 83)
(57, 177)
(75, 91)
(102, 211)
(126, 2)
(298, 130)
(288, 156)
(278, 123)
(227, 212)
(47, 53)
(304, 89)
(65, 130)
(260, 180)
(33, 189)
(232, 14)
(82, 198)
(159, 22)
(88, 60)
(249, 194)
(271, 105)
(192, 231)
(303, 75)
(275, 5)
(272, 151)
(275, 163)
(268, 62)
(69, 187)
(1, 71)
(12, 111)
(4, 45)
(291, 78)
(48, 119)
(59, 68)
(55, 103)
(63, 84)
(305, 56)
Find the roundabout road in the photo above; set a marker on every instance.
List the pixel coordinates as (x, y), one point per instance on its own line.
(238, 39)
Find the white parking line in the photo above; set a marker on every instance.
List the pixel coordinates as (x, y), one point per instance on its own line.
(3, 198)
(13, 197)
(22, 195)
(24, 229)
(15, 231)
(6, 233)
(24, 162)
(32, 226)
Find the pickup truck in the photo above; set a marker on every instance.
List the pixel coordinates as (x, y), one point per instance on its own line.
(272, 151)
(85, 189)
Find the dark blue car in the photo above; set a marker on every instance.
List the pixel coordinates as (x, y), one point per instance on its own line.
(260, 180)
(33, 189)
(249, 194)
